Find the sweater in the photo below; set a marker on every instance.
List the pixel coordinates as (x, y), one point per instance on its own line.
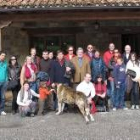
(100, 88)
(43, 92)
(119, 74)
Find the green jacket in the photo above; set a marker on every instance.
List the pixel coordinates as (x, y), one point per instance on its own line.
(3, 71)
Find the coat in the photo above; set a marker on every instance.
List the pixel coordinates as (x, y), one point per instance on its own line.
(80, 72)
(98, 68)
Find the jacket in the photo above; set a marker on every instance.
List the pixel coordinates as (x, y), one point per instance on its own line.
(98, 68)
(3, 71)
(80, 72)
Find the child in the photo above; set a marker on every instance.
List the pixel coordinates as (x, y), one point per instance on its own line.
(43, 92)
(100, 90)
(119, 77)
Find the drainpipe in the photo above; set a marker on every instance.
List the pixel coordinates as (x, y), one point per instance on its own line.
(2, 25)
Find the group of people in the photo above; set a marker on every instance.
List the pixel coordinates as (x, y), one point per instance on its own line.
(101, 78)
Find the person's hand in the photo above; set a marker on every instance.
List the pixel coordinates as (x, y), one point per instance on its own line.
(68, 69)
(53, 85)
(102, 96)
(89, 100)
(110, 79)
(52, 90)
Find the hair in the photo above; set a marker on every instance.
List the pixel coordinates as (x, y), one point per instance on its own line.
(59, 51)
(99, 76)
(33, 48)
(80, 48)
(45, 51)
(2, 52)
(10, 64)
(136, 58)
(70, 46)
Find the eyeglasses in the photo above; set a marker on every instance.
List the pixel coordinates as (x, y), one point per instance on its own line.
(90, 48)
(13, 59)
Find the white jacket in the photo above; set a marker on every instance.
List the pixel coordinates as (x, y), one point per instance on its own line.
(132, 66)
(86, 88)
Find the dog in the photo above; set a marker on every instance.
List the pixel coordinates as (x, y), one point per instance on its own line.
(67, 95)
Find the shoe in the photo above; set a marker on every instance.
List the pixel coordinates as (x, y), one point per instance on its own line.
(133, 107)
(114, 109)
(137, 107)
(3, 113)
(32, 115)
(125, 108)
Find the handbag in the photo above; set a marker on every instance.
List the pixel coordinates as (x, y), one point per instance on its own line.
(131, 73)
(12, 84)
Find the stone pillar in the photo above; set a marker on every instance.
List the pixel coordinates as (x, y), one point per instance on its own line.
(2, 25)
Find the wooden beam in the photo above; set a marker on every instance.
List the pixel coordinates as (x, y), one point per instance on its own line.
(72, 16)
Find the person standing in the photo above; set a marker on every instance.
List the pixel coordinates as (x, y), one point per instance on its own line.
(126, 55)
(35, 58)
(3, 81)
(70, 54)
(90, 53)
(81, 65)
(28, 73)
(14, 70)
(133, 70)
(98, 67)
(58, 72)
(119, 79)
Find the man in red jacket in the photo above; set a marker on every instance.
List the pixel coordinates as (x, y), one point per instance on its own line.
(109, 53)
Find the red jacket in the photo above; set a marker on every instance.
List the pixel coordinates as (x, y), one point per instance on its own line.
(100, 88)
(68, 58)
(107, 57)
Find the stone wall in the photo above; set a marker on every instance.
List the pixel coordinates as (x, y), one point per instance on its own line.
(15, 41)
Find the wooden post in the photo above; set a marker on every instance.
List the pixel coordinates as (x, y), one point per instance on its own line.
(2, 25)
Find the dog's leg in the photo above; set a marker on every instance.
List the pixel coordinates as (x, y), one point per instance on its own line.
(59, 108)
(81, 106)
(91, 117)
(89, 114)
(62, 108)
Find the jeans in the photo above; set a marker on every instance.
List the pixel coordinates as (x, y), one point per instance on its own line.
(3, 88)
(135, 94)
(119, 96)
(110, 92)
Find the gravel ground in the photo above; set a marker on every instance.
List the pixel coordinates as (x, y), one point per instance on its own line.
(119, 125)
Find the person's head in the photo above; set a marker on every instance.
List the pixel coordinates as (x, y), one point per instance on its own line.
(13, 60)
(120, 61)
(60, 55)
(111, 46)
(2, 55)
(80, 52)
(26, 86)
(133, 56)
(43, 84)
(51, 55)
(97, 54)
(28, 60)
(45, 54)
(87, 77)
(99, 79)
(127, 49)
(70, 50)
(33, 52)
(90, 48)
(116, 53)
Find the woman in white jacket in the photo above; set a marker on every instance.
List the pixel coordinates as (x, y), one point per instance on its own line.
(24, 100)
(134, 66)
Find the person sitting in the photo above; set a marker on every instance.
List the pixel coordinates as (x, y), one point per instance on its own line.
(24, 100)
(100, 91)
(43, 92)
(88, 89)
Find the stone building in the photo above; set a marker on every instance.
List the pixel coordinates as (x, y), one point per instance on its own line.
(52, 24)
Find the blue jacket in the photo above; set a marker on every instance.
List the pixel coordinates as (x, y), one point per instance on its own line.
(3, 71)
(57, 73)
(98, 68)
(119, 74)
